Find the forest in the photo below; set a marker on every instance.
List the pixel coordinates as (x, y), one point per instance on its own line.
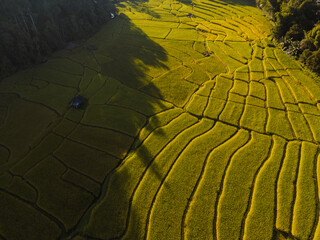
(297, 28)
(30, 30)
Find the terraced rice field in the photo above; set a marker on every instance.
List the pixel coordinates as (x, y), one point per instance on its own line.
(195, 128)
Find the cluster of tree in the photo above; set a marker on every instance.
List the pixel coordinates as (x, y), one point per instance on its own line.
(30, 30)
(297, 28)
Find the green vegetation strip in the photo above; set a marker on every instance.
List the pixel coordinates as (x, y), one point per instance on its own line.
(274, 99)
(154, 178)
(317, 173)
(304, 211)
(278, 123)
(132, 168)
(260, 221)
(157, 121)
(204, 200)
(300, 126)
(254, 118)
(286, 186)
(171, 200)
(237, 184)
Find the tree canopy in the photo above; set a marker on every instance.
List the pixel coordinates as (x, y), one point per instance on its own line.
(30, 30)
(297, 28)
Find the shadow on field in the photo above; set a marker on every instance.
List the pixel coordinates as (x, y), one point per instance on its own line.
(129, 54)
(88, 143)
(281, 235)
(133, 54)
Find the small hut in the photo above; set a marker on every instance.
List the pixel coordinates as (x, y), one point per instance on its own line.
(206, 54)
(77, 101)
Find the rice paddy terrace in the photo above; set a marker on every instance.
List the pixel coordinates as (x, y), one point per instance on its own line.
(196, 127)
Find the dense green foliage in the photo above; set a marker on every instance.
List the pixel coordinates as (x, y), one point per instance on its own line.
(30, 30)
(297, 28)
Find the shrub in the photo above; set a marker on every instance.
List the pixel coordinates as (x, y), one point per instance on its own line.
(313, 61)
(315, 35)
(295, 32)
(282, 25)
(307, 14)
(307, 44)
(305, 55)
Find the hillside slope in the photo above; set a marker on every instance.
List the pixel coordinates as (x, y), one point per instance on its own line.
(196, 127)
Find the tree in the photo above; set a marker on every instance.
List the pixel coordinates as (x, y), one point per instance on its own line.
(33, 29)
